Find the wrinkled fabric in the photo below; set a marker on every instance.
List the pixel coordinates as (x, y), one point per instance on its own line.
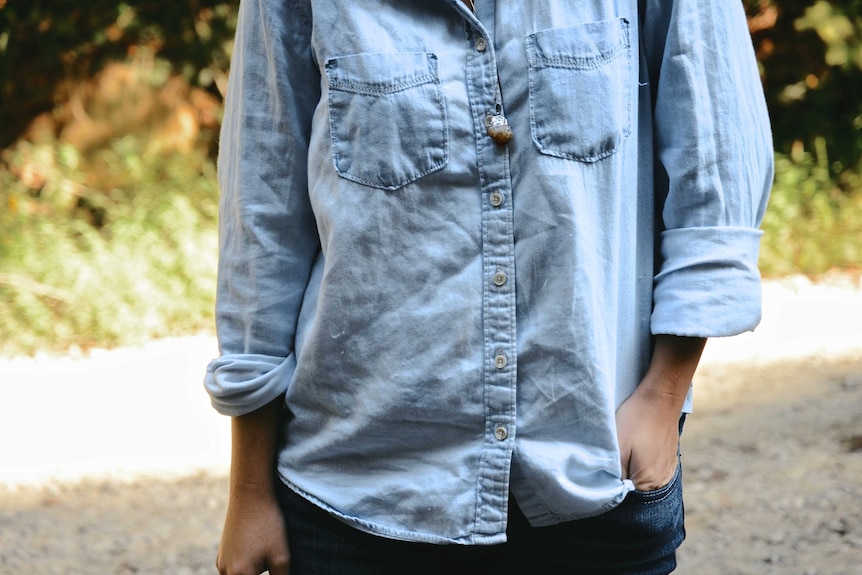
(451, 320)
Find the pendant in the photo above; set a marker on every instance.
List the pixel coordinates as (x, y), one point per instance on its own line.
(498, 129)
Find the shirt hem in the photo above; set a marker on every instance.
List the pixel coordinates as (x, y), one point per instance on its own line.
(547, 518)
(373, 528)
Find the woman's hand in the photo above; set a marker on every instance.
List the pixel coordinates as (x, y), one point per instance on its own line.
(648, 421)
(254, 538)
(648, 431)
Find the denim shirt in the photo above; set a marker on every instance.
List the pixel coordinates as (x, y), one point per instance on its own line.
(451, 319)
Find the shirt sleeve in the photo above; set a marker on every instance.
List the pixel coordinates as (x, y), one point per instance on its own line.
(714, 144)
(267, 235)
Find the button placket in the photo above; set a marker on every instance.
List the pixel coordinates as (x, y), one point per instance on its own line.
(499, 375)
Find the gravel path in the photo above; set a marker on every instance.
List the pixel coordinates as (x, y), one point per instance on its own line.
(115, 462)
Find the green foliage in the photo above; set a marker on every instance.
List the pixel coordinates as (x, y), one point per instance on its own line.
(46, 46)
(813, 223)
(81, 266)
(840, 35)
(107, 212)
(810, 52)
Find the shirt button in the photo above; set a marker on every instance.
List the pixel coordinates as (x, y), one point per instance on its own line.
(500, 279)
(501, 361)
(496, 199)
(481, 44)
(501, 433)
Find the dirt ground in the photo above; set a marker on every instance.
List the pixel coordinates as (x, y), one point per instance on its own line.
(772, 465)
(772, 461)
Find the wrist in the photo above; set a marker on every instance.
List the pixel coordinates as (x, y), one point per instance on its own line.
(255, 487)
(660, 398)
(673, 365)
(252, 495)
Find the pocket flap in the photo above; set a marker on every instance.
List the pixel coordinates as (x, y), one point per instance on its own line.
(583, 46)
(381, 73)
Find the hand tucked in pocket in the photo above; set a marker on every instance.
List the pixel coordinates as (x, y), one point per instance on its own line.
(648, 421)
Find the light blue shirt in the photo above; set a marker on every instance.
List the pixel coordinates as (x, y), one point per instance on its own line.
(450, 318)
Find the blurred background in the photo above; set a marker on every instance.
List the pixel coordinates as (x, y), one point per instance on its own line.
(109, 113)
(109, 117)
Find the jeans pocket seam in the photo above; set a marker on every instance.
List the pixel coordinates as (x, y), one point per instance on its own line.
(662, 493)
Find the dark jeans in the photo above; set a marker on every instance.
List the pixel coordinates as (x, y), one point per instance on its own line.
(638, 537)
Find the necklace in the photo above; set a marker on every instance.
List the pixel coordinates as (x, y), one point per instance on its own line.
(496, 124)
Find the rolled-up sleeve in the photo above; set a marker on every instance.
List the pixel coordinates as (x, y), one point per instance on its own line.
(713, 140)
(267, 235)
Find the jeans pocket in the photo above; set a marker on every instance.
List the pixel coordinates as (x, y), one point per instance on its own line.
(580, 89)
(387, 116)
(650, 524)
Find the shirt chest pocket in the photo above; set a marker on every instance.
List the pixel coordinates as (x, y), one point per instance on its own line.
(387, 118)
(580, 89)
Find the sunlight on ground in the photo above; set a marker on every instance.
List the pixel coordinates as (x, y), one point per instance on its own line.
(800, 318)
(119, 413)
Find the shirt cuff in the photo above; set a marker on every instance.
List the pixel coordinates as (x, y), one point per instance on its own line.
(240, 384)
(709, 284)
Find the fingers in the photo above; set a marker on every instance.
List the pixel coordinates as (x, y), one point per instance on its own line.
(275, 568)
(253, 538)
(279, 564)
(648, 441)
(650, 463)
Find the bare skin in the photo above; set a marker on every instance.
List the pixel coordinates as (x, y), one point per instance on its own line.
(254, 538)
(648, 421)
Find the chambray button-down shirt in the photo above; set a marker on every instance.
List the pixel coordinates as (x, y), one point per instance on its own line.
(451, 319)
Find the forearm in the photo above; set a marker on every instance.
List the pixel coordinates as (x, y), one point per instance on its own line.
(647, 421)
(254, 537)
(253, 444)
(671, 369)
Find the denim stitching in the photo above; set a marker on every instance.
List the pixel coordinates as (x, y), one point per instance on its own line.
(383, 88)
(583, 63)
(537, 62)
(379, 89)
